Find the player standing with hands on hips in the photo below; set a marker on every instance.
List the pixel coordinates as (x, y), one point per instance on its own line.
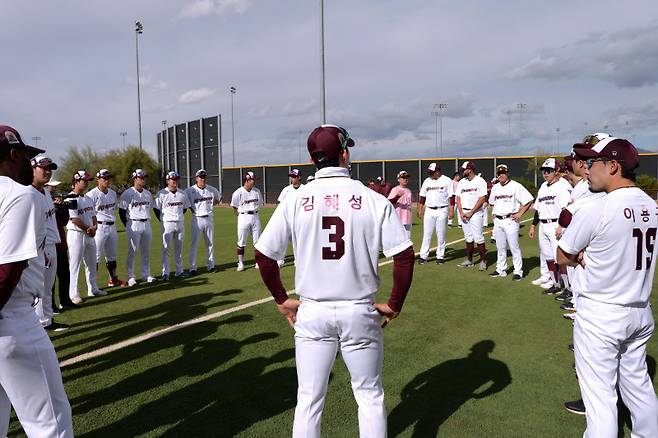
(337, 226)
(617, 234)
(435, 209)
(295, 183)
(470, 197)
(203, 198)
(246, 201)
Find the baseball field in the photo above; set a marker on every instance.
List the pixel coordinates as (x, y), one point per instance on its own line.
(470, 356)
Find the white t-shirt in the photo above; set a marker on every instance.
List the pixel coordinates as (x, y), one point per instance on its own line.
(245, 200)
(138, 204)
(52, 233)
(507, 199)
(84, 211)
(470, 191)
(618, 232)
(287, 191)
(171, 204)
(337, 226)
(105, 203)
(202, 200)
(437, 192)
(21, 217)
(551, 200)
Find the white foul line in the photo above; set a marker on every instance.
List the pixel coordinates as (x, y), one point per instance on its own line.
(145, 337)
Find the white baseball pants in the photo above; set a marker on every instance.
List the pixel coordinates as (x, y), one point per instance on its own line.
(506, 233)
(82, 248)
(173, 234)
(139, 236)
(106, 242)
(434, 221)
(202, 226)
(321, 328)
(611, 350)
(44, 307)
(408, 228)
(474, 228)
(30, 378)
(248, 223)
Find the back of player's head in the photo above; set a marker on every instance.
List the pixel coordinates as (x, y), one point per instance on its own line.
(11, 139)
(325, 144)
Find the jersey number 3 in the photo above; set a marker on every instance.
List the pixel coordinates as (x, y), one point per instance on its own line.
(336, 237)
(647, 240)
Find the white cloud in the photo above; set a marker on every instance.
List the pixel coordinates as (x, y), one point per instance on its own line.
(195, 96)
(202, 8)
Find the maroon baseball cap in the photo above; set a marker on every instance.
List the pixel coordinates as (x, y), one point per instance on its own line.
(468, 165)
(294, 173)
(10, 138)
(327, 141)
(612, 148)
(567, 164)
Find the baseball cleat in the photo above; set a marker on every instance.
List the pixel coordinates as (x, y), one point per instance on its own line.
(571, 316)
(280, 262)
(150, 279)
(465, 264)
(546, 285)
(116, 282)
(540, 281)
(422, 261)
(576, 407)
(240, 267)
(132, 282)
(567, 305)
(165, 277)
(98, 293)
(483, 266)
(571, 347)
(516, 277)
(565, 295)
(552, 290)
(497, 274)
(70, 306)
(57, 311)
(193, 271)
(256, 266)
(182, 274)
(56, 327)
(76, 300)
(440, 261)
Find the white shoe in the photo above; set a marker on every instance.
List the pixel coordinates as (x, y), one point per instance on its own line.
(546, 285)
(240, 267)
(541, 280)
(132, 282)
(280, 263)
(150, 279)
(98, 293)
(256, 266)
(76, 300)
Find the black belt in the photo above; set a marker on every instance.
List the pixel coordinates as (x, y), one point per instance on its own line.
(505, 216)
(436, 208)
(547, 221)
(105, 223)
(203, 216)
(249, 212)
(466, 209)
(139, 220)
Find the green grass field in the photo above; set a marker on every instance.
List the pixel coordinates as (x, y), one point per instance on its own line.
(235, 375)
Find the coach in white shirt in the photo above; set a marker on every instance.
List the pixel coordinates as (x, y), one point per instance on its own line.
(170, 206)
(203, 197)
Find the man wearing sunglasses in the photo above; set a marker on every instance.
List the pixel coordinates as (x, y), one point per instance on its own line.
(470, 197)
(552, 197)
(614, 240)
(434, 208)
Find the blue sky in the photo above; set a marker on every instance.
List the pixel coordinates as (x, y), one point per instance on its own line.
(68, 73)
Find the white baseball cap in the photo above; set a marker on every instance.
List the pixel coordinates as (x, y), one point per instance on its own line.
(53, 183)
(44, 162)
(468, 165)
(433, 167)
(249, 176)
(310, 178)
(549, 163)
(139, 173)
(403, 173)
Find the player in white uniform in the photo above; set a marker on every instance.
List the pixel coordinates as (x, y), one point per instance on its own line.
(170, 206)
(435, 209)
(30, 378)
(80, 232)
(552, 198)
(295, 183)
(614, 320)
(43, 167)
(246, 201)
(105, 202)
(470, 197)
(455, 182)
(338, 227)
(509, 200)
(135, 210)
(310, 178)
(203, 198)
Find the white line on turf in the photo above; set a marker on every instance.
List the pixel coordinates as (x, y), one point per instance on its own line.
(145, 337)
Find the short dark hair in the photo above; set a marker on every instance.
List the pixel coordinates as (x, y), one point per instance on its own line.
(627, 173)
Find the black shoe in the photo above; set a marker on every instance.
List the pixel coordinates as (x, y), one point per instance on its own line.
(69, 306)
(571, 347)
(192, 272)
(576, 407)
(440, 261)
(57, 310)
(56, 327)
(565, 295)
(567, 305)
(183, 274)
(496, 274)
(552, 290)
(422, 261)
(516, 277)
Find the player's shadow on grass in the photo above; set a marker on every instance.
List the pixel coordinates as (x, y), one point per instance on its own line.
(434, 395)
(144, 288)
(221, 405)
(624, 416)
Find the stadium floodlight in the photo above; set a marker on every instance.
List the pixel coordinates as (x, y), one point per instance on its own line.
(557, 141)
(139, 29)
(36, 141)
(233, 90)
(123, 138)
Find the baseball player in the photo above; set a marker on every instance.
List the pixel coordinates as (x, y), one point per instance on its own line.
(43, 167)
(401, 199)
(105, 203)
(170, 206)
(203, 198)
(552, 197)
(80, 232)
(455, 182)
(30, 377)
(384, 187)
(295, 183)
(338, 226)
(470, 197)
(134, 211)
(509, 201)
(614, 321)
(246, 201)
(435, 210)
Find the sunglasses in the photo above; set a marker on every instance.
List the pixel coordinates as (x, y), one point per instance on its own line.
(404, 176)
(591, 161)
(547, 170)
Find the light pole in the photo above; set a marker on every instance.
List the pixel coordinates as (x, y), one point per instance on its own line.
(36, 141)
(436, 133)
(322, 89)
(441, 108)
(521, 107)
(509, 124)
(557, 140)
(123, 138)
(139, 29)
(233, 90)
